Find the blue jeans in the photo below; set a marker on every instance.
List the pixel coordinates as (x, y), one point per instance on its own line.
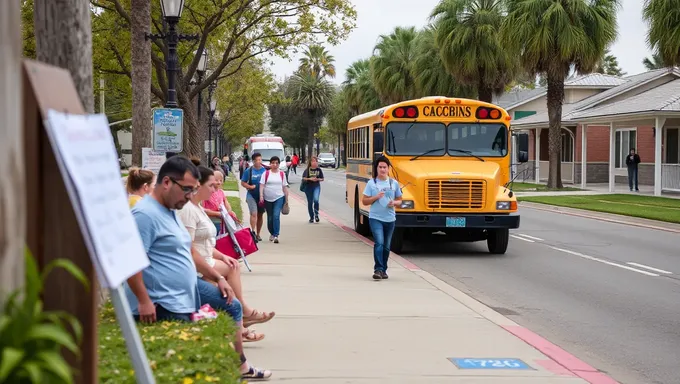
(210, 294)
(382, 238)
(632, 174)
(274, 215)
(313, 192)
(163, 314)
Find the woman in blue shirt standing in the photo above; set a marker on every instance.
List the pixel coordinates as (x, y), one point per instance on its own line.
(382, 193)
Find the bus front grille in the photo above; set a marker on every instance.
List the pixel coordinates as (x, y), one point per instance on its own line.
(455, 194)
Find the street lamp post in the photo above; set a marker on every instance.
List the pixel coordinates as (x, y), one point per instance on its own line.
(200, 72)
(212, 106)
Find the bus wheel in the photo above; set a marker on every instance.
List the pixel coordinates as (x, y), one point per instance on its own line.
(497, 240)
(361, 228)
(397, 245)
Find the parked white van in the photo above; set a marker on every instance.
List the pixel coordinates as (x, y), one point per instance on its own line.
(268, 146)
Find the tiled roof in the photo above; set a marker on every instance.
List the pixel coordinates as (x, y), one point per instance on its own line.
(571, 111)
(518, 97)
(664, 98)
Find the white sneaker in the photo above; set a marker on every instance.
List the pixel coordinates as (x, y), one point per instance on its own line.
(276, 240)
(271, 238)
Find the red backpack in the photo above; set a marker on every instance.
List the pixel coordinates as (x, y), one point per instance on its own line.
(266, 176)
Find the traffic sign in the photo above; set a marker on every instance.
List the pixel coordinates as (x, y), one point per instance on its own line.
(486, 363)
(168, 126)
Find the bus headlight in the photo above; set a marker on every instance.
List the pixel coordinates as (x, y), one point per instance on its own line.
(506, 205)
(406, 204)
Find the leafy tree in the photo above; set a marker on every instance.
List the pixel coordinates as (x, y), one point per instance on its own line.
(552, 36)
(430, 75)
(285, 119)
(233, 31)
(655, 62)
(609, 65)
(338, 117)
(360, 94)
(391, 65)
(470, 46)
(663, 17)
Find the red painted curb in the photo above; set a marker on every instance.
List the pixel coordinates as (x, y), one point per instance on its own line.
(623, 222)
(568, 364)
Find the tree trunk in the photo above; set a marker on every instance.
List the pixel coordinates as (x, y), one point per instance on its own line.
(555, 98)
(63, 38)
(13, 199)
(140, 24)
(484, 92)
(194, 136)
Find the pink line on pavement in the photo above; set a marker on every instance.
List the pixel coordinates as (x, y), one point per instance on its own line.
(567, 360)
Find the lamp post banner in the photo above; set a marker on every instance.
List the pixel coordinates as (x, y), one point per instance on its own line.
(168, 126)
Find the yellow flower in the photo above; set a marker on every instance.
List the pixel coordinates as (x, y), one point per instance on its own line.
(188, 380)
(211, 379)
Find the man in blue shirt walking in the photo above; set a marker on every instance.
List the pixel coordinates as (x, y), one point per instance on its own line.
(250, 180)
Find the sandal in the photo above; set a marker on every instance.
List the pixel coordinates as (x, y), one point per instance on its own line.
(255, 374)
(251, 336)
(257, 317)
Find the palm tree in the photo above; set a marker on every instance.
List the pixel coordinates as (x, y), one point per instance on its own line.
(653, 63)
(552, 36)
(318, 62)
(361, 95)
(663, 17)
(609, 65)
(470, 47)
(314, 96)
(391, 65)
(431, 76)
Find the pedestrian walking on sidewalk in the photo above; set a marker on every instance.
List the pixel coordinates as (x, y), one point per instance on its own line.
(273, 194)
(382, 193)
(311, 184)
(295, 160)
(632, 161)
(250, 180)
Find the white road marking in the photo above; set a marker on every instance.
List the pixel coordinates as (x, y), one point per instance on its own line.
(521, 238)
(605, 261)
(531, 237)
(650, 268)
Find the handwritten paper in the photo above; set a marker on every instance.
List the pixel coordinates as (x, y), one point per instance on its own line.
(88, 161)
(152, 160)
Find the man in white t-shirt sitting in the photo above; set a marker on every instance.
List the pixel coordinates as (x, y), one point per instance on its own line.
(273, 194)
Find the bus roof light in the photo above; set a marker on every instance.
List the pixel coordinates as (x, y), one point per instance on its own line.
(495, 114)
(458, 101)
(447, 101)
(399, 113)
(482, 113)
(437, 100)
(411, 112)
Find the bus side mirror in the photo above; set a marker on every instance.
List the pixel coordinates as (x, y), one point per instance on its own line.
(523, 156)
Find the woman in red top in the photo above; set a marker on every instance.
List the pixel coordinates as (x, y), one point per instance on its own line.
(295, 161)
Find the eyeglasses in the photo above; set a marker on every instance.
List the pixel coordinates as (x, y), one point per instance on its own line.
(185, 188)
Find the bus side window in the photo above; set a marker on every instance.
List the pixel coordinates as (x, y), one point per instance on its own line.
(378, 142)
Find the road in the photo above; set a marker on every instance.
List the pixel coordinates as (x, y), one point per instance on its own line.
(607, 293)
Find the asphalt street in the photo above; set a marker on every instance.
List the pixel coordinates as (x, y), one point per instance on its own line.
(607, 293)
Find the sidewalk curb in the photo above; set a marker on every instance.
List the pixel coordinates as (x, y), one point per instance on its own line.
(587, 215)
(567, 363)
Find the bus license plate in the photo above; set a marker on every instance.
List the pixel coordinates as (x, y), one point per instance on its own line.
(455, 222)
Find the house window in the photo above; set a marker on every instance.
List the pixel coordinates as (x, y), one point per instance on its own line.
(626, 139)
(567, 147)
(672, 145)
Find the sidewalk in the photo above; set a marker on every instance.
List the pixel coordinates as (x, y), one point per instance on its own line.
(334, 324)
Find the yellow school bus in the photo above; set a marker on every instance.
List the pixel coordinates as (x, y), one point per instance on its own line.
(452, 159)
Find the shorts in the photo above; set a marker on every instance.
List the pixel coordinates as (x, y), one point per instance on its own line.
(253, 207)
(210, 294)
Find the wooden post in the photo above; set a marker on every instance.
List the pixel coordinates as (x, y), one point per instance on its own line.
(52, 229)
(12, 198)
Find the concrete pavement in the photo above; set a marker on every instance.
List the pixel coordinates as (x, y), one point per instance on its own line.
(584, 284)
(334, 324)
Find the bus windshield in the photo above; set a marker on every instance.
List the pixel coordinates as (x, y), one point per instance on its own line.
(411, 139)
(484, 140)
(424, 139)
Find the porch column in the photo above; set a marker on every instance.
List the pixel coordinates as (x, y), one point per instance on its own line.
(584, 161)
(537, 156)
(612, 158)
(658, 126)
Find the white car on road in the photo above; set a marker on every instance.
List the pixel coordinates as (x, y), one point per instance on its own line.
(326, 160)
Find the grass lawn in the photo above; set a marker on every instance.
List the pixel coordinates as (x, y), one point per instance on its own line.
(530, 187)
(235, 203)
(182, 353)
(647, 207)
(230, 184)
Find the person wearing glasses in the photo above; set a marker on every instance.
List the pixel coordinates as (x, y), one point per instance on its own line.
(169, 288)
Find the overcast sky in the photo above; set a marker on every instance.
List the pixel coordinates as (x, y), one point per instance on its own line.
(377, 17)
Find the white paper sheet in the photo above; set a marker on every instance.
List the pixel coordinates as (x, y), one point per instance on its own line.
(89, 163)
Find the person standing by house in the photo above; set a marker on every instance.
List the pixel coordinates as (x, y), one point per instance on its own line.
(632, 161)
(382, 194)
